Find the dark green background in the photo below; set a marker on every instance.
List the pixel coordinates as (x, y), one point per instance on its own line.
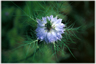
(15, 25)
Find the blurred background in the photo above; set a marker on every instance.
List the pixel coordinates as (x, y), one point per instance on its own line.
(18, 28)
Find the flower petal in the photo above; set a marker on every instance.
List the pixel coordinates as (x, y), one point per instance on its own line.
(55, 32)
(44, 20)
(40, 22)
(50, 37)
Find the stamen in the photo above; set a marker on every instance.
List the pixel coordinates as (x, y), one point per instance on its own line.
(48, 25)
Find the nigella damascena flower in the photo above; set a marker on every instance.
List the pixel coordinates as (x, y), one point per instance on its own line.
(50, 29)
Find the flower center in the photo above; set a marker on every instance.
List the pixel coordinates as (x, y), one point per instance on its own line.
(48, 25)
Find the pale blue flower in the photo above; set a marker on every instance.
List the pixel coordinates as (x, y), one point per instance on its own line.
(49, 29)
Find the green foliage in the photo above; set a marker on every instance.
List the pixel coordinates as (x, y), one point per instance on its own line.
(21, 36)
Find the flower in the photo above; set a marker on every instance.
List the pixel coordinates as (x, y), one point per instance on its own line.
(49, 29)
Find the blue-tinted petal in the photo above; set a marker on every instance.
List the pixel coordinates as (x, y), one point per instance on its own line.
(59, 35)
(46, 39)
(51, 17)
(54, 34)
(48, 18)
(58, 21)
(44, 20)
(60, 25)
(40, 22)
(50, 37)
(41, 34)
